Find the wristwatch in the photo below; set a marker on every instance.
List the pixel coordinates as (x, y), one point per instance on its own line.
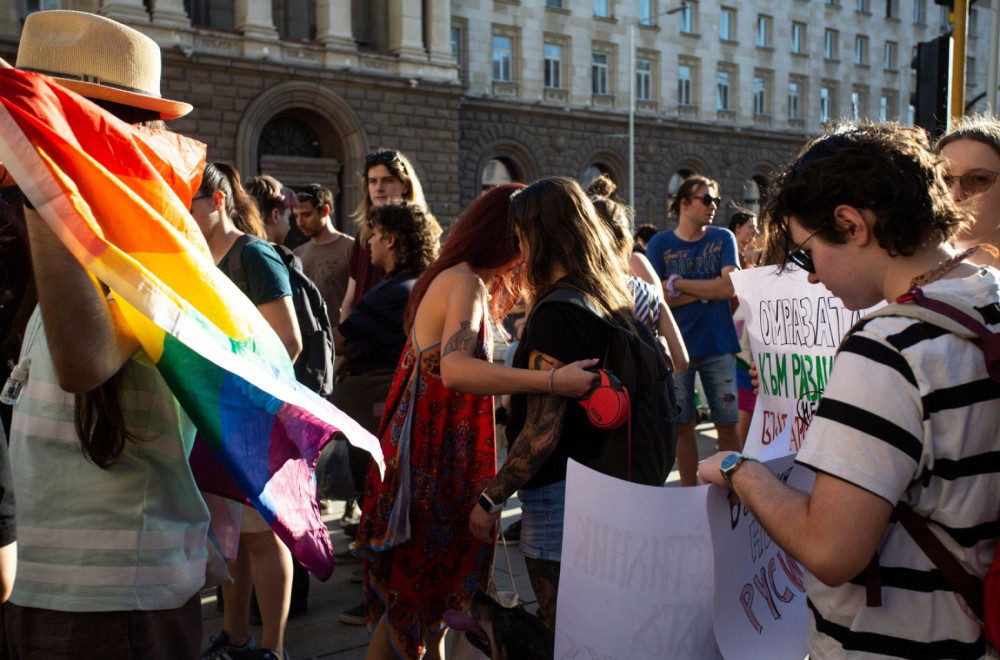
(730, 464)
(488, 505)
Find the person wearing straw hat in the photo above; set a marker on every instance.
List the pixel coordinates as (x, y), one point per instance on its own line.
(112, 539)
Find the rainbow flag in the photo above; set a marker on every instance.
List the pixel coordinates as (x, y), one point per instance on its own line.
(117, 196)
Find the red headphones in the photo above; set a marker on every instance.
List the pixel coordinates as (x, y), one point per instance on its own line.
(609, 405)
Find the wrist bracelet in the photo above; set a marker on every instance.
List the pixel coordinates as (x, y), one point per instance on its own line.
(671, 291)
(552, 381)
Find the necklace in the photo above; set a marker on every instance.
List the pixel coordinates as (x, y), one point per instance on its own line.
(937, 272)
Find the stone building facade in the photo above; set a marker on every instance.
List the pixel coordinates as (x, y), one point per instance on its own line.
(476, 91)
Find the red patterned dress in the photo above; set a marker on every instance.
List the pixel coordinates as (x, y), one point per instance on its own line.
(440, 453)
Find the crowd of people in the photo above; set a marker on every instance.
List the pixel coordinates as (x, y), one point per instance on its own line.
(111, 556)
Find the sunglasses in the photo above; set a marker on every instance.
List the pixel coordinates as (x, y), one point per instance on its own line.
(800, 257)
(972, 183)
(708, 200)
(383, 157)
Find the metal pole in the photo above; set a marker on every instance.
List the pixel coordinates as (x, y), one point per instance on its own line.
(957, 96)
(631, 122)
(991, 65)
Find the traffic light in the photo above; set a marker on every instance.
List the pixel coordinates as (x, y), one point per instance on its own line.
(930, 99)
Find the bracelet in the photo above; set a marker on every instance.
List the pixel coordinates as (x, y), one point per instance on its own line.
(552, 381)
(671, 291)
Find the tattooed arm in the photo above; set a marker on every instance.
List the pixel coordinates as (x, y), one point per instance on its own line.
(452, 312)
(532, 447)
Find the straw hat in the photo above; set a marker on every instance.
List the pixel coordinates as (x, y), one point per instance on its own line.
(97, 58)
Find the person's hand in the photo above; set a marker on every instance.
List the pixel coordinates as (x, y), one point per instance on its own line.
(708, 469)
(754, 380)
(573, 380)
(483, 525)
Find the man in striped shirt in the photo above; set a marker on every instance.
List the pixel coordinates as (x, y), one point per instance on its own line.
(910, 413)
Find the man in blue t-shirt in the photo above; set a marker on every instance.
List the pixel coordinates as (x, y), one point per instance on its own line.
(695, 261)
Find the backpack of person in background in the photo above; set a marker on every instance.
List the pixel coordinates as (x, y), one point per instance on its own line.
(982, 596)
(641, 450)
(314, 366)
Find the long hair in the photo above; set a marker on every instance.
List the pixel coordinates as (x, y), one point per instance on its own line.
(562, 229)
(239, 205)
(482, 238)
(979, 128)
(401, 168)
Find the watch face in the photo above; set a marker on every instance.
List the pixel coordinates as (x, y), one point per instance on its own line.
(729, 461)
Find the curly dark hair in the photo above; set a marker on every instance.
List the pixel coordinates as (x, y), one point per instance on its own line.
(887, 169)
(416, 231)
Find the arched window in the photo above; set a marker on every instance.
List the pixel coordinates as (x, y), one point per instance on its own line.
(677, 179)
(289, 136)
(592, 172)
(751, 197)
(496, 172)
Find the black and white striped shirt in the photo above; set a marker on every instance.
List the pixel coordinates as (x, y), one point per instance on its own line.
(910, 413)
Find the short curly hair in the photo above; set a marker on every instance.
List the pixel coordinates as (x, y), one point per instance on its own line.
(887, 169)
(417, 233)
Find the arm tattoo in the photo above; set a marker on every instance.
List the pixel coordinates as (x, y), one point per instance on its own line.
(461, 340)
(533, 445)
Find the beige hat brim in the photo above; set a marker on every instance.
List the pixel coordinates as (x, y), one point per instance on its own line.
(168, 109)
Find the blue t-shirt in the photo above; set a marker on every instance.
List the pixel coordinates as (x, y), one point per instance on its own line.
(707, 326)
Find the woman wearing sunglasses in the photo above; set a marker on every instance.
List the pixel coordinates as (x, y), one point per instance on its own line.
(971, 153)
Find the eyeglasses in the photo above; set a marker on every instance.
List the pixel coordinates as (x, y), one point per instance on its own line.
(708, 200)
(800, 257)
(972, 183)
(197, 197)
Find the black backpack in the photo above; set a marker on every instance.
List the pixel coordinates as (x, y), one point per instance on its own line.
(314, 366)
(633, 356)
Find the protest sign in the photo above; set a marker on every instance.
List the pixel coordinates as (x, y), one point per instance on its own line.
(760, 605)
(636, 579)
(795, 328)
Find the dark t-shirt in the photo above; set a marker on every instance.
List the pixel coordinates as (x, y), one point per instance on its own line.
(375, 325)
(8, 526)
(265, 272)
(360, 267)
(566, 333)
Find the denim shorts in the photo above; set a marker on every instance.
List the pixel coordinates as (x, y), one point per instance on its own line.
(542, 521)
(718, 378)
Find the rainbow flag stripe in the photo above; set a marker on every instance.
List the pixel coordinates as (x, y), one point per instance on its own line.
(117, 196)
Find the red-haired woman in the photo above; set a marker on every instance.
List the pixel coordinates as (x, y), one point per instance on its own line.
(438, 436)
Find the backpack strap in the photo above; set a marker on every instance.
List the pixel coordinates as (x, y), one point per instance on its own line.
(234, 267)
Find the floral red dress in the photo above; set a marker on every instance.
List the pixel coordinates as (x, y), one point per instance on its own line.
(440, 453)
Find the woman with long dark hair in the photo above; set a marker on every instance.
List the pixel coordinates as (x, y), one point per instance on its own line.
(438, 436)
(564, 245)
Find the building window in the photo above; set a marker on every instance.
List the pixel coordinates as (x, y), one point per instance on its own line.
(857, 106)
(970, 70)
(760, 96)
(727, 24)
(861, 50)
(687, 18)
(885, 108)
(599, 73)
(643, 80)
(835, 3)
(763, 31)
(920, 12)
(798, 38)
(973, 26)
(889, 63)
(295, 19)
(830, 44)
(502, 55)
(645, 12)
(943, 18)
(863, 6)
(722, 90)
(892, 8)
(683, 85)
(824, 104)
(220, 14)
(602, 8)
(553, 66)
(554, 4)
(793, 100)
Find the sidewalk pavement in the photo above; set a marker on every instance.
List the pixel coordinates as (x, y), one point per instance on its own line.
(318, 632)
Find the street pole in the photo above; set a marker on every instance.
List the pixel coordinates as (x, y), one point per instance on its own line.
(631, 124)
(957, 96)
